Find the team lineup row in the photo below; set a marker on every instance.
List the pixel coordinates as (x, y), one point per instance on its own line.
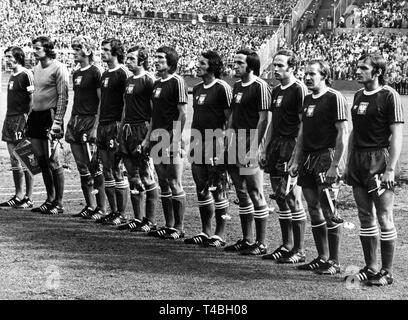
(301, 141)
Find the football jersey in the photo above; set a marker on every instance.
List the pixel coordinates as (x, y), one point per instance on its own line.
(372, 113)
(167, 95)
(112, 90)
(209, 103)
(287, 104)
(86, 81)
(137, 98)
(320, 114)
(247, 101)
(19, 89)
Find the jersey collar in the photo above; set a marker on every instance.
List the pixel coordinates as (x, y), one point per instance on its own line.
(317, 96)
(86, 68)
(208, 86)
(167, 79)
(114, 69)
(249, 83)
(288, 85)
(139, 75)
(370, 93)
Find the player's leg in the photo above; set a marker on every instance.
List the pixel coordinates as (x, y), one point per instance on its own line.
(333, 236)
(319, 226)
(40, 149)
(95, 167)
(80, 155)
(174, 175)
(58, 178)
(151, 193)
(384, 208)
(254, 184)
(205, 203)
(221, 204)
(108, 159)
(137, 197)
(246, 211)
(17, 170)
(121, 185)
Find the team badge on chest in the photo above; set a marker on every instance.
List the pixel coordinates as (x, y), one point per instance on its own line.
(362, 108)
(238, 97)
(278, 101)
(310, 111)
(105, 82)
(129, 88)
(157, 92)
(201, 99)
(11, 85)
(78, 80)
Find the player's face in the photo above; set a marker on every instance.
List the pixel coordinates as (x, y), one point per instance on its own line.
(160, 62)
(313, 77)
(280, 68)
(79, 54)
(132, 61)
(10, 60)
(240, 65)
(106, 53)
(202, 66)
(364, 73)
(39, 52)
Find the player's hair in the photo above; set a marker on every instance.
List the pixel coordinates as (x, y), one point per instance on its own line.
(17, 53)
(292, 58)
(172, 57)
(252, 60)
(378, 63)
(117, 48)
(142, 56)
(215, 65)
(85, 44)
(324, 70)
(48, 46)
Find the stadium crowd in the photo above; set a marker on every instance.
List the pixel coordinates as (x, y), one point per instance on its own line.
(63, 24)
(343, 50)
(247, 8)
(383, 14)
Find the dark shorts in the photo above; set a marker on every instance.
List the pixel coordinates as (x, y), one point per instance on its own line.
(365, 164)
(79, 128)
(38, 123)
(278, 155)
(131, 137)
(313, 164)
(107, 136)
(13, 128)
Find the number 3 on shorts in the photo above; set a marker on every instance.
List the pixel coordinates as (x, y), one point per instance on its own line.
(19, 135)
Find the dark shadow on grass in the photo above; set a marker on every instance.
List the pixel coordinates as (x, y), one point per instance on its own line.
(106, 248)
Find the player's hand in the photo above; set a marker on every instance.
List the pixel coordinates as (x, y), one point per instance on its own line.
(145, 145)
(92, 135)
(388, 178)
(56, 130)
(332, 175)
(293, 168)
(262, 159)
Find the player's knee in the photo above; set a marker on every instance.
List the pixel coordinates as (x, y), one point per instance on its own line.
(282, 204)
(257, 198)
(386, 221)
(82, 168)
(175, 186)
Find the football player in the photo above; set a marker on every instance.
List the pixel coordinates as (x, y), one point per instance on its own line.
(318, 159)
(374, 148)
(19, 98)
(286, 107)
(211, 104)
